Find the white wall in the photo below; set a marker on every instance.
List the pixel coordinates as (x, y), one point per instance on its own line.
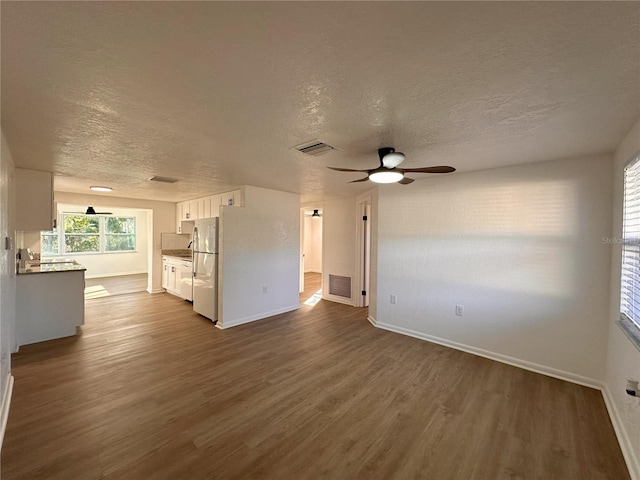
(623, 359)
(520, 248)
(7, 283)
(339, 238)
(162, 221)
(312, 244)
(259, 247)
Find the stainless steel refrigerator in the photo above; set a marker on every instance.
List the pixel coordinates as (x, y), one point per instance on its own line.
(205, 268)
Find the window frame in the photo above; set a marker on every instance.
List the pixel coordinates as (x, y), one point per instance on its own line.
(630, 248)
(102, 235)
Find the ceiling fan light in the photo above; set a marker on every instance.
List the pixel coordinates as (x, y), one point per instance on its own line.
(101, 189)
(386, 175)
(393, 159)
(315, 214)
(90, 211)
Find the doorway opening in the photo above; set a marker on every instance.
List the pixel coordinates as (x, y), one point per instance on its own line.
(311, 222)
(115, 245)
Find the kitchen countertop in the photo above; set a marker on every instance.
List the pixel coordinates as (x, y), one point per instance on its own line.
(183, 254)
(51, 265)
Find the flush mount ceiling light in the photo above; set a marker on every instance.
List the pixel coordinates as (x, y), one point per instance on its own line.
(388, 171)
(385, 175)
(101, 189)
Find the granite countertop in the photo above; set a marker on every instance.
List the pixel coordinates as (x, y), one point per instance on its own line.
(50, 265)
(183, 254)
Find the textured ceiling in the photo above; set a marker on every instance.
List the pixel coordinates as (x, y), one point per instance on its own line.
(215, 94)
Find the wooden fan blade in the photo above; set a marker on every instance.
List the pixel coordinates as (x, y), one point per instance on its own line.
(361, 180)
(406, 181)
(346, 169)
(440, 169)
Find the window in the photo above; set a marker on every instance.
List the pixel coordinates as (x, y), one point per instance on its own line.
(120, 234)
(81, 233)
(90, 234)
(630, 278)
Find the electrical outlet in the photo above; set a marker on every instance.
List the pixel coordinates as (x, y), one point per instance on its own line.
(264, 289)
(460, 310)
(393, 299)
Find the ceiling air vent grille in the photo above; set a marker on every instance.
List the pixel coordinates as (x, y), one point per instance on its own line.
(315, 148)
(158, 178)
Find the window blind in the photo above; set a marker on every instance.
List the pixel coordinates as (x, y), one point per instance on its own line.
(630, 281)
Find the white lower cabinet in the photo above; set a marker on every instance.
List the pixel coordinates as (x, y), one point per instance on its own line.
(48, 305)
(176, 276)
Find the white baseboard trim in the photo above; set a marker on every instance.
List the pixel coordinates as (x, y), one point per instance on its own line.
(117, 274)
(4, 410)
(632, 461)
(335, 298)
(516, 362)
(156, 290)
(372, 320)
(241, 321)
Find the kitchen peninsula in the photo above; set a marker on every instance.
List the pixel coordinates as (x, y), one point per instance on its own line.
(49, 300)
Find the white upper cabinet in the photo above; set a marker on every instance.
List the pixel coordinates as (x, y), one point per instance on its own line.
(215, 205)
(205, 207)
(194, 210)
(34, 200)
(231, 198)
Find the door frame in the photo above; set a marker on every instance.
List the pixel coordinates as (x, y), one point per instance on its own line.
(363, 250)
(309, 206)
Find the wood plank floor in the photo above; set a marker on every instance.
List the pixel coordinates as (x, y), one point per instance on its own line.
(118, 285)
(153, 391)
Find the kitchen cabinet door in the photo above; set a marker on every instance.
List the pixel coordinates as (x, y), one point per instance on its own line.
(186, 211)
(206, 207)
(165, 274)
(177, 275)
(231, 199)
(171, 278)
(215, 205)
(197, 212)
(34, 200)
(178, 218)
(227, 199)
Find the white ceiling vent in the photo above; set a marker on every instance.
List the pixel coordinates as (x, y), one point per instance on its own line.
(315, 148)
(158, 178)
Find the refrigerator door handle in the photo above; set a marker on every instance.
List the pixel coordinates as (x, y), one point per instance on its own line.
(194, 264)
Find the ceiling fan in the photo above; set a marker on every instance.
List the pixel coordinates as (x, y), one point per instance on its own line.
(92, 211)
(315, 213)
(388, 171)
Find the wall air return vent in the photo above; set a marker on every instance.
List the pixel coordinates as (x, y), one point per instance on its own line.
(158, 178)
(340, 286)
(315, 148)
